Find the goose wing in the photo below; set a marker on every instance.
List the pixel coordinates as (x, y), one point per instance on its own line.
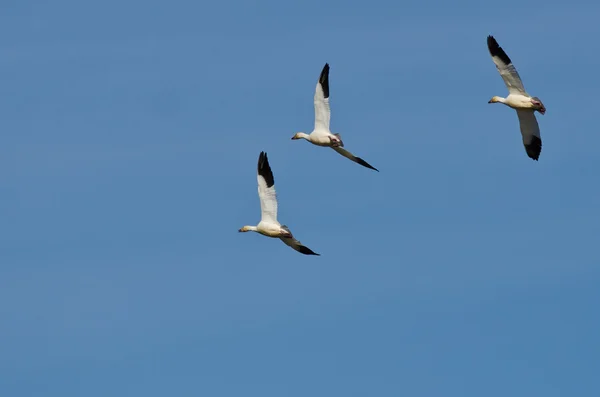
(297, 245)
(266, 190)
(352, 157)
(505, 67)
(322, 112)
(531, 133)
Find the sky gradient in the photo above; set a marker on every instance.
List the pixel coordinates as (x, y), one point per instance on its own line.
(130, 135)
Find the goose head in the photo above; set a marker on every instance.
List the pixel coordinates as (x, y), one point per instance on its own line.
(495, 99)
(300, 135)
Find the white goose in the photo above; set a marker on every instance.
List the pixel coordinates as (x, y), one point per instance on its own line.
(321, 136)
(518, 99)
(268, 225)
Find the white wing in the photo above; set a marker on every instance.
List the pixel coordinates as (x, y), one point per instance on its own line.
(322, 112)
(531, 133)
(506, 68)
(352, 157)
(266, 190)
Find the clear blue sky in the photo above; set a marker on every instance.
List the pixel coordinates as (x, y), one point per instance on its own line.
(130, 132)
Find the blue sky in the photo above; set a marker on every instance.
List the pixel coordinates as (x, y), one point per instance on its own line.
(130, 135)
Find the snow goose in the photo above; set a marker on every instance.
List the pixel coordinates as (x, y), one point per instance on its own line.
(268, 225)
(321, 136)
(518, 99)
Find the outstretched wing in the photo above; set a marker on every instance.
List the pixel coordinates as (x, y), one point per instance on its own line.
(295, 244)
(322, 111)
(505, 67)
(352, 157)
(531, 133)
(266, 190)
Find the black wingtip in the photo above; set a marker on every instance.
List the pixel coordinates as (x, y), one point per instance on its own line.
(534, 148)
(496, 50)
(324, 80)
(365, 164)
(307, 251)
(264, 169)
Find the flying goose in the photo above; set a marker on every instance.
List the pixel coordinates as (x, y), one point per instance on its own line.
(518, 99)
(268, 225)
(321, 136)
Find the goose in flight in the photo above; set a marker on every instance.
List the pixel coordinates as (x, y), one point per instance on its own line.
(321, 136)
(268, 225)
(518, 99)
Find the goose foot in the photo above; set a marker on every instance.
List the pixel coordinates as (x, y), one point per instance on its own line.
(335, 142)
